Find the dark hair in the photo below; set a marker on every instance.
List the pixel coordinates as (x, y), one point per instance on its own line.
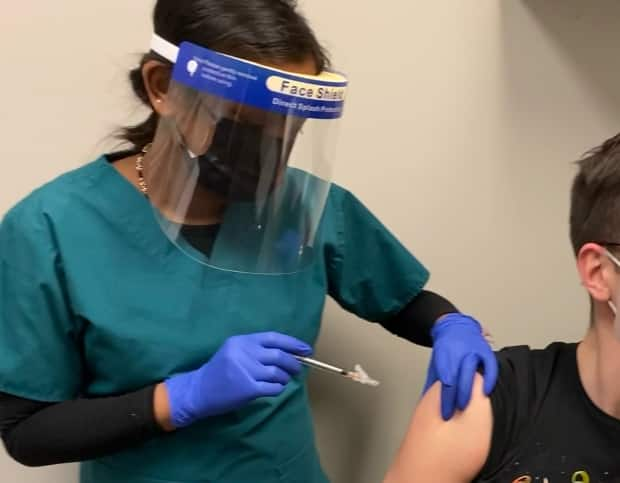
(258, 30)
(595, 197)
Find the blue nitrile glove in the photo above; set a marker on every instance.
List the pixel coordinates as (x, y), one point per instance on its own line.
(459, 349)
(245, 368)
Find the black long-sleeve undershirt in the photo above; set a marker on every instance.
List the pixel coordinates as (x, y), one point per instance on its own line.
(39, 434)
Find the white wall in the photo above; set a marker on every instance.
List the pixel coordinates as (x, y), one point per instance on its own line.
(470, 112)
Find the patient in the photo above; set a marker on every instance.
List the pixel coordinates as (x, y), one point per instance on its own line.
(555, 414)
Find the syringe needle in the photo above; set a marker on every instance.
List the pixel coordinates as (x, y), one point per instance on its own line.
(322, 366)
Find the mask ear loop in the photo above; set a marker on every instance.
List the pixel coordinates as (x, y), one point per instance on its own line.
(196, 110)
(185, 199)
(610, 302)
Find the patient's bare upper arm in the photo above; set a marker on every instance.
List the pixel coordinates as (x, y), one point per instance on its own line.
(450, 452)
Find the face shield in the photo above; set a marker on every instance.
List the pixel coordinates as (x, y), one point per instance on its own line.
(240, 169)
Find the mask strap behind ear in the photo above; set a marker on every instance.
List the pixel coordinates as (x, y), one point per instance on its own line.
(613, 258)
(164, 48)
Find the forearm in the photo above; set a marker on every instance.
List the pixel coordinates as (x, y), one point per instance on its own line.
(76, 430)
(417, 319)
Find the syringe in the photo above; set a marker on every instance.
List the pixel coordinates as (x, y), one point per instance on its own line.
(357, 375)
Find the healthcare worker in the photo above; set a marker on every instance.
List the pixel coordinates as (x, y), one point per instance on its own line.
(152, 302)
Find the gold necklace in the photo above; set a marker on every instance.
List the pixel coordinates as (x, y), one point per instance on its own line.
(144, 188)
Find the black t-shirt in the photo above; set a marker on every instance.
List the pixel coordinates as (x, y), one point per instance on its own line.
(545, 428)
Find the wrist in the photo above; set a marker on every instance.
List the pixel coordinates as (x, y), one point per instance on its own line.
(442, 317)
(161, 408)
(454, 319)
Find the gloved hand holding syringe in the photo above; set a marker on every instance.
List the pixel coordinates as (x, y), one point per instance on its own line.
(357, 375)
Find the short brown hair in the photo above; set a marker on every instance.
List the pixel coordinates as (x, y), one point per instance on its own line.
(595, 197)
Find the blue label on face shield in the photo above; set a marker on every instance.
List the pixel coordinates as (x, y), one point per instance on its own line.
(312, 97)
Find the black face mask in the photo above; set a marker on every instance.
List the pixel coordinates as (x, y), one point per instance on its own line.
(240, 155)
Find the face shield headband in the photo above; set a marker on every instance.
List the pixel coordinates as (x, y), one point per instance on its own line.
(245, 82)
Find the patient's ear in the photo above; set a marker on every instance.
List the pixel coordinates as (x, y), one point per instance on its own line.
(595, 271)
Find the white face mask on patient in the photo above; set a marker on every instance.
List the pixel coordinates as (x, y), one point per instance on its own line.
(610, 302)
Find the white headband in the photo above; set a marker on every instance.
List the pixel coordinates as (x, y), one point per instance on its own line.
(164, 48)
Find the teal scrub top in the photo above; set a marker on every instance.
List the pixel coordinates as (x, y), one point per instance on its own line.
(95, 301)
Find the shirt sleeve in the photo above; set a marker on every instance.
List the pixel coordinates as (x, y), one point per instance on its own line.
(512, 408)
(40, 434)
(370, 273)
(40, 356)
